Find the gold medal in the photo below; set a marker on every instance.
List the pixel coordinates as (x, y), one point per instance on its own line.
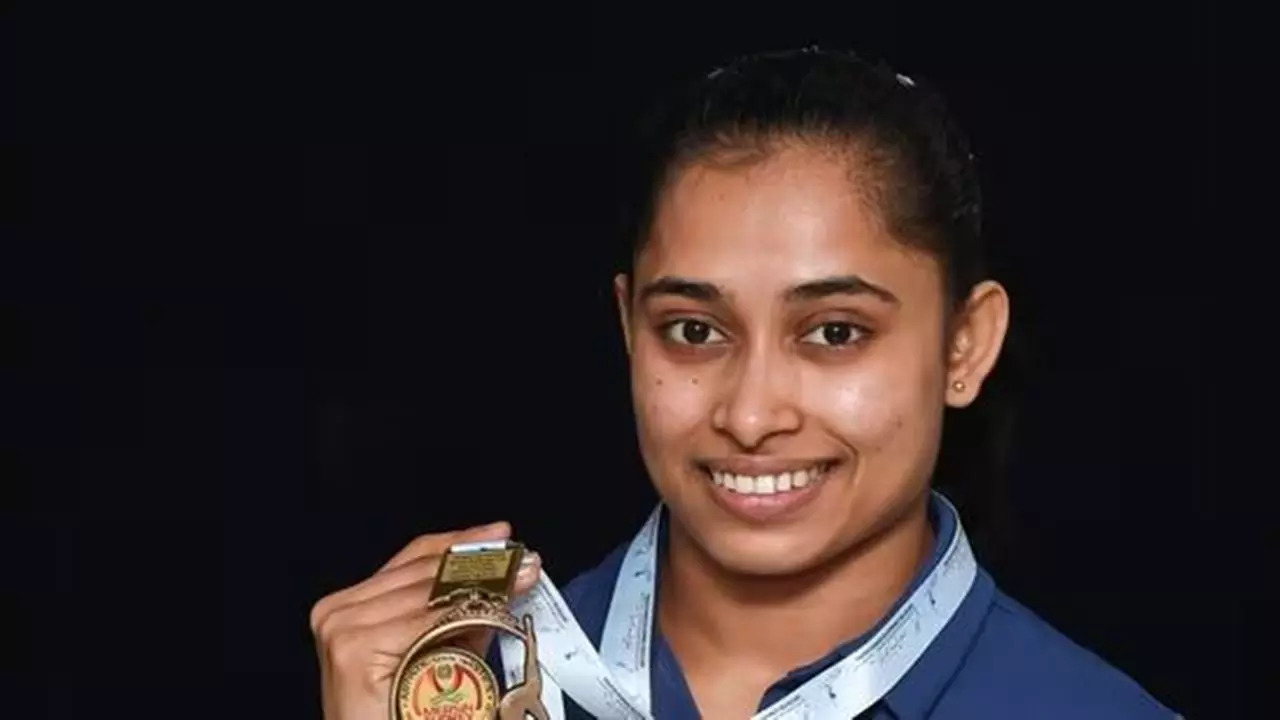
(437, 680)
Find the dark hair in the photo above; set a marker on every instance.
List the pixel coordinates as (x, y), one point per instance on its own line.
(912, 164)
(912, 161)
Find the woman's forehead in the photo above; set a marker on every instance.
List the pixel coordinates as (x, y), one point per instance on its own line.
(785, 221)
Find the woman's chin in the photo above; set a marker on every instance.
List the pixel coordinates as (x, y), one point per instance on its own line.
(764, 557)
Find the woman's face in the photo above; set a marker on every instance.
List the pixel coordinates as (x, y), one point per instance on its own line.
(791, 362)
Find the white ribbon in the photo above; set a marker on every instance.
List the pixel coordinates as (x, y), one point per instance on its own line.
(614, 682)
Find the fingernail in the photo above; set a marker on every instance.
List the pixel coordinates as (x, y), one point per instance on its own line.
(528, 561)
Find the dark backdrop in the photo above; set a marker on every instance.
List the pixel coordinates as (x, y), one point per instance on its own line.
(292, 287)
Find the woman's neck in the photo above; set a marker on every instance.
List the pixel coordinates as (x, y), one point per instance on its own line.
(776, 624)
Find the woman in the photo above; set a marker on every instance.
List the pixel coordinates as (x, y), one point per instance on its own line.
(806, 300)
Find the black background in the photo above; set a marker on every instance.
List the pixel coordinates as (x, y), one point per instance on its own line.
(290, 287)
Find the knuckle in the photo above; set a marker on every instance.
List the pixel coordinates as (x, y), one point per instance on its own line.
(330, 627)
(346, 649)
(415, 548)
(319, 611)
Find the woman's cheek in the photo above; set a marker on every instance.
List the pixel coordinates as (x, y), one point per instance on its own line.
(673, 403)
(863, 409)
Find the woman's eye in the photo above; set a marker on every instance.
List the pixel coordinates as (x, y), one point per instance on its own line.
(834, 334)
(692, 332)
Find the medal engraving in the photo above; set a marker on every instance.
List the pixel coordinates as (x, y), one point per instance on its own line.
(448, 684)
(437, 680)
(493, 571)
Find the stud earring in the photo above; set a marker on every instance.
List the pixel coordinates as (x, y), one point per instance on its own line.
(958, 386)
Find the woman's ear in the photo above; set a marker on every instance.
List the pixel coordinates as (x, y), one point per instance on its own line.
(622, 296)
(977, 335)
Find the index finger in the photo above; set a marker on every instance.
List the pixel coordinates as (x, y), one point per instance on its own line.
(437, 543)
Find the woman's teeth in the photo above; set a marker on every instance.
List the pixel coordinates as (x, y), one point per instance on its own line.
(766, 484)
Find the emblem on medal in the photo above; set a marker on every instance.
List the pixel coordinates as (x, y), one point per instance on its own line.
(436, 679)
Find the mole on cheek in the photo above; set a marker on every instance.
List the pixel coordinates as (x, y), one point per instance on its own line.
(693, 380)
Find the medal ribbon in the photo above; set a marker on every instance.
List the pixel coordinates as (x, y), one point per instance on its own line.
(614, 682)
